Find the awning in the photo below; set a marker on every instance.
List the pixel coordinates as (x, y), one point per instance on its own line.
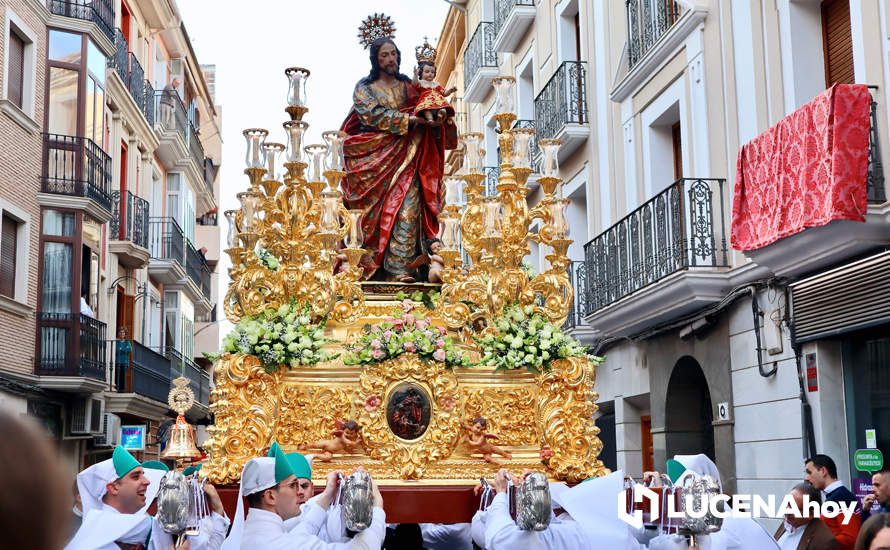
(852, 297)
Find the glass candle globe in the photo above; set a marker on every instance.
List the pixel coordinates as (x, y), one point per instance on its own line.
(472, 152)
(272, 151)
(453, 188)
(334, 140)
(255, 157)
(296, 86)
(355, 238)
(295, 130)
(559, 225)
(522, 140)
(550, 157)
(232, 234)
(503, 87)
(316, 154)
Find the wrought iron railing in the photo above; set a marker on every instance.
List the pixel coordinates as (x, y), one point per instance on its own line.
(492, 173)
(130, 71)
(129, 219)
(647, 21)
(145, 372)
(533, 146)
(184, 366)
(682, 227)
(877, 192)
(171, 114)
(196, 149)
(70, 345)
(100, 12)
(563, 100)
(166, 240)
(578, 278)
(197, 269)
(502, 9)
(149, 106)
(118, 61)
(76, 166)
(480, 51)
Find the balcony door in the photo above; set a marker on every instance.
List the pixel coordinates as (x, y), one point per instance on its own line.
(837, 42)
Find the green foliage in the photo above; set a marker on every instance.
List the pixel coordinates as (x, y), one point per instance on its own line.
(267, 259)
(283, 336)
(406, 332)
(429, 299)
(525, 339)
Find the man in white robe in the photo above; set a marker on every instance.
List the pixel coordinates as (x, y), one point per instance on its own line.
(271, 487)
(115, 495)
(589, 519)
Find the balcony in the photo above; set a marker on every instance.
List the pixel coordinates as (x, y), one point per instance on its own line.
(132, 76)
(128, 231)
(663, 260)
(144, 372)
(71, 352)
(78, 169)
(480, 63)
(173, 128)
(199, 274)
(826, 245)
(575, 324)
(512, 18)
(561, 107)
(167, 250)
(100, 12)
(647, 22)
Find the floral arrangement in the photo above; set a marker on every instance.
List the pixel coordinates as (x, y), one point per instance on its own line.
(283, 336)
(428, 299)
(525, 339)
(267, 259)
(405, 332)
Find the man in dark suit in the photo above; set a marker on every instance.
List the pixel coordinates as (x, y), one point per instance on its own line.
(821, 473)
(805, 532)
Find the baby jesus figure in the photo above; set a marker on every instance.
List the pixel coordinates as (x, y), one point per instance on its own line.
(432, 104)
(346, 439)
(477, 440)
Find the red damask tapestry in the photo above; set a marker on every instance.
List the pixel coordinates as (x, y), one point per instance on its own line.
(806, 171)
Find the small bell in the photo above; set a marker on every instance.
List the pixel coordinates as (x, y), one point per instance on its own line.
(182, 441)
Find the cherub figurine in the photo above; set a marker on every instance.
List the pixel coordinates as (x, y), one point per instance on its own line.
(346, 439)
(477, 440)
(433, 259)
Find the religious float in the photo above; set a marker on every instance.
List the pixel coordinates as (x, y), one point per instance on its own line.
(430, 385)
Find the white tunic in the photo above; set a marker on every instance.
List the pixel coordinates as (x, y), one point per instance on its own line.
(103, 528)
(501, 532)
(265, 530)
(477, 528)
(442, 536)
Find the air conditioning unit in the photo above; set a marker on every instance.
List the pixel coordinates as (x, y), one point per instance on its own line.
(86, 416)
(111, 431)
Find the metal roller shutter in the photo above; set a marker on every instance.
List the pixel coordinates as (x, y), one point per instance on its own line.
(845, 299)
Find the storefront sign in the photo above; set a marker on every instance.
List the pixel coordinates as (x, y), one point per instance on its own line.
(812, 380)
(133, 437)
(868, 460)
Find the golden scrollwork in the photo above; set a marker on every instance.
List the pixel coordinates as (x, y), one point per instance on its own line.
(409, 458)
(311, 412)
(511, 412)
(566, 407)
(245, 407)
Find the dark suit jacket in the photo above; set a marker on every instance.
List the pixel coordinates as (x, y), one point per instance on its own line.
(817, 536)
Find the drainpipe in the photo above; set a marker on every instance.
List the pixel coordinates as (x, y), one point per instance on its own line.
(758, 316)
(809, 431)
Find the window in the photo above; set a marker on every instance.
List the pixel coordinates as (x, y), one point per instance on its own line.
(62, 117)
(19, 69)
(16, 69)
(8, 253)
(838, 42)
(65, 47)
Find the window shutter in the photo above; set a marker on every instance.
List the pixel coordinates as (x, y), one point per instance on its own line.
(8, 243)
(15, 89)
(838, 42)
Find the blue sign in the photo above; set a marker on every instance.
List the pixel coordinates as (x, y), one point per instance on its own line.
(133, 437)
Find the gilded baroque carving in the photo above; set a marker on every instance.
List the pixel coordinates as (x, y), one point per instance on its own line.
(511, 413)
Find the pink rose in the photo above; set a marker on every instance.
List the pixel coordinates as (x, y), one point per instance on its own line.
(407, 305)
(443, 331)
(398, 323)
(371, 403)
(546, 453)
(422, 323)
(387, 334)
(409, 347)
(440, 343)
(376, 344)
(377, 354)
(439, 355)
(389, 319)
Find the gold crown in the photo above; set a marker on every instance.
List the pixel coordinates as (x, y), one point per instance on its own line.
(425, 53)
(375, 26)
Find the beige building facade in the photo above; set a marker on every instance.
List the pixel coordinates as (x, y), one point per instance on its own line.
(707, 349)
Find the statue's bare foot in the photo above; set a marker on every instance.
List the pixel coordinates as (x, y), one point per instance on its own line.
(406, 279)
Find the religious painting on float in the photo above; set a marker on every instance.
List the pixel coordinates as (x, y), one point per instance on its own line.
(408, 411)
